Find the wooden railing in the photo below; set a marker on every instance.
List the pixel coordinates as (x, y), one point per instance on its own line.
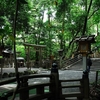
(24, 88)
(75, 84)
(54, 85)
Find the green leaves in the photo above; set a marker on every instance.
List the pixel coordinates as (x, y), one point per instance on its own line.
(96, 4)
(67, 18)
(11, 37)
(2, 31)
(6, 31)
(23, 2)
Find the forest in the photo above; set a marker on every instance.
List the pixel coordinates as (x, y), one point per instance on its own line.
(54, 23)
(51, 23)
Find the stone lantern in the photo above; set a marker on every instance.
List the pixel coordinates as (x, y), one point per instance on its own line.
(60, 52)
(84, 43)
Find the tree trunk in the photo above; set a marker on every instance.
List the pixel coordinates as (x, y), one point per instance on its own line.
(86, 17)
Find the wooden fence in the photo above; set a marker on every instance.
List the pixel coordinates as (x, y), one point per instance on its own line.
(24, 88)
(54, 85)
(75, 84)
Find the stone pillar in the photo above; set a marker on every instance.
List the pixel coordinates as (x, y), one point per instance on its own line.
(84, 62)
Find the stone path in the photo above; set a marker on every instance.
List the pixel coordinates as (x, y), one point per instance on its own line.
(95, 65)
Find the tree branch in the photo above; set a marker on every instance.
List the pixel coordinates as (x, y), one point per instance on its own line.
(93, 13)
(86, 18)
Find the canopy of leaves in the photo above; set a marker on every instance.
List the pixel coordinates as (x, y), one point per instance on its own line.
(54, 23)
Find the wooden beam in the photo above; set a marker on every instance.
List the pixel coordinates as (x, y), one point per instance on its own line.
(34, 45)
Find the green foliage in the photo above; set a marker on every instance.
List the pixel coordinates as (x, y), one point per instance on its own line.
(61, 8)
(96, 4)
(42, 22)
(21, 49)
(23, 1)
(96, 17)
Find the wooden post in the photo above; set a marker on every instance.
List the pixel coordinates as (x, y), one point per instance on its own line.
(1, 65)
(85, 86)
(40, 91)
(28, 58)
(55, 80)
(60, 62)
(40, 57)
(24, 95)
(96, 79)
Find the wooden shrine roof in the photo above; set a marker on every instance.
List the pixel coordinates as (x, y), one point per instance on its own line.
(86, 38)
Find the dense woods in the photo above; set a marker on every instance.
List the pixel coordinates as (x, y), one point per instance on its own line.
(54, 23)
(51, 23)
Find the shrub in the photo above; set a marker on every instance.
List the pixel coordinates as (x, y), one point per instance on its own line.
(5, 75)
(11, 74)
(21, 49)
